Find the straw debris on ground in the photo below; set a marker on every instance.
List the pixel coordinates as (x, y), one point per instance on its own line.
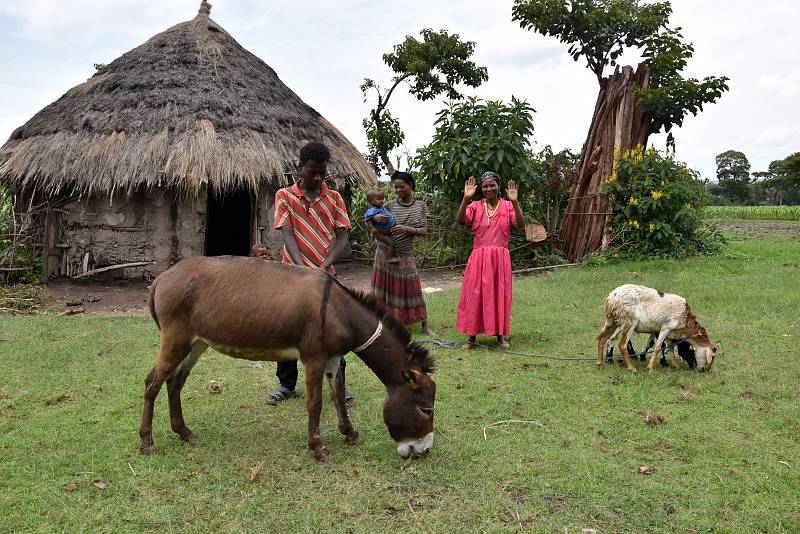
(22, 299)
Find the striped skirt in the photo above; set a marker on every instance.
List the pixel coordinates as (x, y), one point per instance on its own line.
(397, 286)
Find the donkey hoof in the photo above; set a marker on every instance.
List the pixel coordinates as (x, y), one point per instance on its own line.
(354, 438)
(633, 369)
(186, 435)
(321, 453)
(147, 448)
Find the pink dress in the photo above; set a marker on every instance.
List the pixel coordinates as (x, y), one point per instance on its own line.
(485, 303)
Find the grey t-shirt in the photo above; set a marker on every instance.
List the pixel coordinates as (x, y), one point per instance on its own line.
(413, 216)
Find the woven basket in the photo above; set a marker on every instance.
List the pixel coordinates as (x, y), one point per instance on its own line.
(535, 232)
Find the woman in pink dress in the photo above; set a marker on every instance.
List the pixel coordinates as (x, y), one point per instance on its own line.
(485, 303)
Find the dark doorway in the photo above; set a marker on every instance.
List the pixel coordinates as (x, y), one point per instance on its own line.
(228, 223)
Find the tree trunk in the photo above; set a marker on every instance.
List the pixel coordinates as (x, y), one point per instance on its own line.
(618, 122)
(388, 164)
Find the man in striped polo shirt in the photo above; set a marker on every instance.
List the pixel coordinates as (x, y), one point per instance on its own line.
(314, 226)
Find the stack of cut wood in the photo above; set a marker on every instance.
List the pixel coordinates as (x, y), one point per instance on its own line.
(618, 122)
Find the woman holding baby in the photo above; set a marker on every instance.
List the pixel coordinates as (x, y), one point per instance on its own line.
(395, 280)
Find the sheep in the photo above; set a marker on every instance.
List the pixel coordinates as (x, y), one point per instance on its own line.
(631, 308)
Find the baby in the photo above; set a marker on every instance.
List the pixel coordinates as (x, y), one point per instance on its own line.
(375, 199)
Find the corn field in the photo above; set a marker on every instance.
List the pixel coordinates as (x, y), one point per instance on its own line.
(753, 213)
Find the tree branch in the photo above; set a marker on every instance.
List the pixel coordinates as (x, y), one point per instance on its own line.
(382, 105)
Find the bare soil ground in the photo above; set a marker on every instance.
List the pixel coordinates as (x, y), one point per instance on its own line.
(72, 296)
(759, 227)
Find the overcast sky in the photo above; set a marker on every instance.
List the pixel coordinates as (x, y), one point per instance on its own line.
(322, 49)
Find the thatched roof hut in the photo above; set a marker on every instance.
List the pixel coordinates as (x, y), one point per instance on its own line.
(189, 117)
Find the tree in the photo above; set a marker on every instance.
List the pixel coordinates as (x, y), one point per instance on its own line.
(630, 105)
(791, 166)
(431, 67)
(597, 31)
(475, 136)
(733, 175)
(770, 184)
(780, 183)
(559, 172)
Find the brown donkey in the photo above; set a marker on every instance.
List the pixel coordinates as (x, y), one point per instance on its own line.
(269, 311)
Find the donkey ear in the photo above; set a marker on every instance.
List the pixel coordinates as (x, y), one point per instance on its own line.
(410, 376)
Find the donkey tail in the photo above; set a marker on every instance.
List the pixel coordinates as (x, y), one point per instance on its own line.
(151, 302)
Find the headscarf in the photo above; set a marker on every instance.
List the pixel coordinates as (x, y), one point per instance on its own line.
(491, 175)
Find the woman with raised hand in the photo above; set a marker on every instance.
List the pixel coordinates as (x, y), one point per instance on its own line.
(485, 303)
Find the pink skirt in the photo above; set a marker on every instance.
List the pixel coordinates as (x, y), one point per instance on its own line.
(485, 303)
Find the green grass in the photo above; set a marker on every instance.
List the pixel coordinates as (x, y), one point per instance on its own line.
(760, 213)
(726, 459)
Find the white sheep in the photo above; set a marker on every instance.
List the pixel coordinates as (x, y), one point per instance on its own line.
(631, 308)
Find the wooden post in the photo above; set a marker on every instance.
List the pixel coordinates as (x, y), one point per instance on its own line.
(46, 243)
(255, 220)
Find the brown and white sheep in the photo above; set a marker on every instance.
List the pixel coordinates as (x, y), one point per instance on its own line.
(631, 308)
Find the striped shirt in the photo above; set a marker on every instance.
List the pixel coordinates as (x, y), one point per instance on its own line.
(313, 222)
(415, 216)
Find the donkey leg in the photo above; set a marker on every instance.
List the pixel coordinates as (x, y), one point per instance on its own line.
(146, 428)
(170, 356)
(175, 384)
(314, 372)
(337, 392)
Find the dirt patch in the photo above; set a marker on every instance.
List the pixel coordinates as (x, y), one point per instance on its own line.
(358, 275)
(93, 297)
(131, 296)
(758, 227)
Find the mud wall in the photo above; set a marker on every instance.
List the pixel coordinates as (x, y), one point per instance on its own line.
(266, 220)
(154, 227)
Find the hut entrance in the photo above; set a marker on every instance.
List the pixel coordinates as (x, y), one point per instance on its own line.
(228, 223)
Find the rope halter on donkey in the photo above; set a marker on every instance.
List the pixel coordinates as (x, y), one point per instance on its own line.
(372, 338)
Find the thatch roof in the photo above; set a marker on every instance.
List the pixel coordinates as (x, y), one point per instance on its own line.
(190, 106)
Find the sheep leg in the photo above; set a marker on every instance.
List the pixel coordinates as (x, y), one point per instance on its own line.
(608, 333)
(623, 348)
(674, 358)
(650, 342)
(657, 350)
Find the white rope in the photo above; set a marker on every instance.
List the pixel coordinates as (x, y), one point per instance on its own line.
(372, 339)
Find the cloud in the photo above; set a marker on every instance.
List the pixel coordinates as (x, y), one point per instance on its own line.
(784, 85)
(84, 21)
(780, 136)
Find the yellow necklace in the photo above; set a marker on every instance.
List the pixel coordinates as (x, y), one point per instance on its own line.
(490, 214)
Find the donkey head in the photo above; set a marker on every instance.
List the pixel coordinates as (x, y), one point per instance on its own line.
(408, 412)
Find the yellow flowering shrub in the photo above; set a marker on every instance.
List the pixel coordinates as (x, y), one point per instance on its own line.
(654, 203)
